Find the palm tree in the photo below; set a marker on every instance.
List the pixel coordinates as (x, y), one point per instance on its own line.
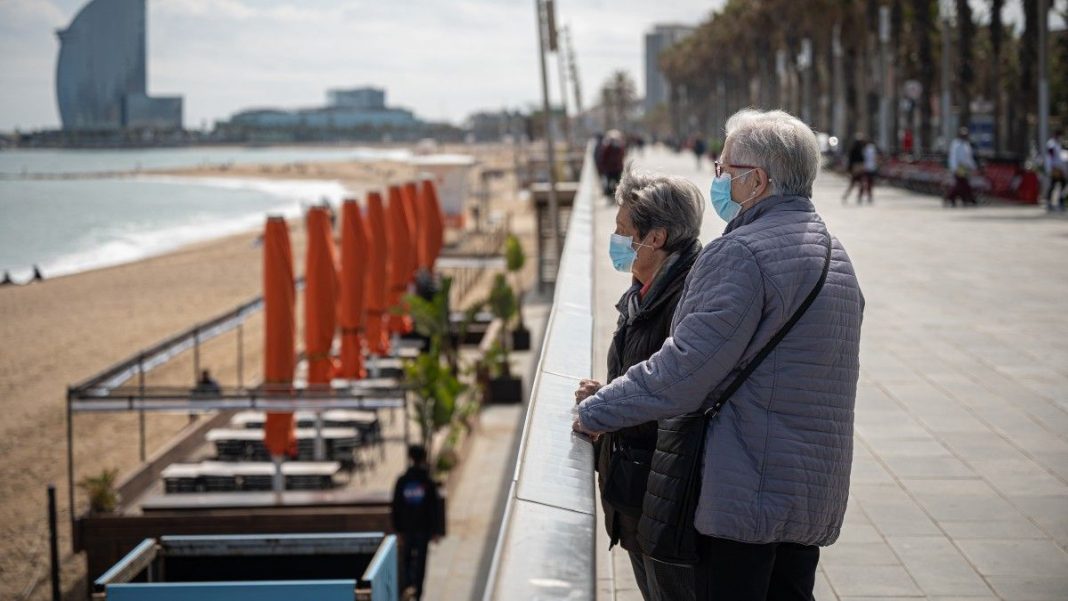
(965, 67)
(923, 32)
(1025, 94)
(997, 34)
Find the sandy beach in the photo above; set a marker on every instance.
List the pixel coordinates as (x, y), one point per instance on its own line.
(62, 330)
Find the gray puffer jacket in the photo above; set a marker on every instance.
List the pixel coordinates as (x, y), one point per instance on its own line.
(778, 456)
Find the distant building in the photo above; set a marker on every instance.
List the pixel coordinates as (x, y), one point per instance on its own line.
(493, 126)
(100, 73)
(359, 113)
(368, 98)
(658, 40)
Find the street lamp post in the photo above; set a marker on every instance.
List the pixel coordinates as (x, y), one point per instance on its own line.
(554, 213)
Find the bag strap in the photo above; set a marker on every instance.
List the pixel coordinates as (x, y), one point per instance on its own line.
(770, 346)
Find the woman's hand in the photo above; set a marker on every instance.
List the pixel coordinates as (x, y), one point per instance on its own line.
(586, 389)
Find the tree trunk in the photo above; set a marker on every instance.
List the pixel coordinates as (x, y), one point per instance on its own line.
(997, 33)
(1025, 95)
(965, 68)
(923, 30)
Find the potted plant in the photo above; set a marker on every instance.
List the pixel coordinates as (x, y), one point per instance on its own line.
(515, 258)
(103, 498)
(503, 387)
(433, 373)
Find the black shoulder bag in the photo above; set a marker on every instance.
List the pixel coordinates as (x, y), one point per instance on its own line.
(666, 531)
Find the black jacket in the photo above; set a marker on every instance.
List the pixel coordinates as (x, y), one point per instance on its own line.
(632, 344)
(417, 507)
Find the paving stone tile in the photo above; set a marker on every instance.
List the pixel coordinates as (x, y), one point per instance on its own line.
(859, 533)
(937, 567)
(860, 554)
(1018, 558)
(1049, 512)
(893, 512)
(822, 591)
(1051, 587)
(961, 500)
(1022, 477)
(1008, 529)
(929, 466)
(872, 581)
(989, 446)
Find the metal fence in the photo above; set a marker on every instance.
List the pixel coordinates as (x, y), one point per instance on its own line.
(545, 549)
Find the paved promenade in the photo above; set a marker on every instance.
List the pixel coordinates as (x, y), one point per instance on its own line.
(960, 471)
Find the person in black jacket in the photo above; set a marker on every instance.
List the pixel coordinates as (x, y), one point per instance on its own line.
(417, 518)
(657, 226)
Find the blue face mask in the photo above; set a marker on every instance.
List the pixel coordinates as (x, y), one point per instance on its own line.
(621, 250)
(720, 194)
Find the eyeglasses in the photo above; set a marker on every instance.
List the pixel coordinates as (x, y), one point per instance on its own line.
(720, 166)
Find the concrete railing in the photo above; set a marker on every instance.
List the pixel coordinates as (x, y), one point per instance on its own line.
(545, 549)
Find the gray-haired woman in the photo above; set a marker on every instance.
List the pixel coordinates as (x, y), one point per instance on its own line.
(657, 225)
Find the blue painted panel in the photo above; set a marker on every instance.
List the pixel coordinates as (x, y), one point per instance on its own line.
(381, 573)
(304, 590)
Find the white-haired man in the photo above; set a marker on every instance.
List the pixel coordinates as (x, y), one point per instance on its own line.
(774, 304)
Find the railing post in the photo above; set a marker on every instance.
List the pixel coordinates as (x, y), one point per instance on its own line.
(141, 406)
(70, 466)
(196, 353)
(53, 542)
(241, 355)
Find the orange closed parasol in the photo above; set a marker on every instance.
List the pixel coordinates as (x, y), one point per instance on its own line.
(378, 262)
(355, 254)
(320, 297)
(435, 223)
(280, 327)
(403, 260)
(413, 200)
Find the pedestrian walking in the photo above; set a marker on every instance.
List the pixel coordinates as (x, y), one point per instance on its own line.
(760, 411)
(417, 519)
(699, 149)
(871, 169)
(657, 225)
(613, 156)
(855, 167)
(961, 164)
(1057, 171)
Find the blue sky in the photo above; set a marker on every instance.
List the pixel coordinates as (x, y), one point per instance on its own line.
(442, 58)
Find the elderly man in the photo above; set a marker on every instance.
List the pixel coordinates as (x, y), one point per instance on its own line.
(777, 455)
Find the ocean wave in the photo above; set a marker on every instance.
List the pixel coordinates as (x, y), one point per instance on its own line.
(125, 243)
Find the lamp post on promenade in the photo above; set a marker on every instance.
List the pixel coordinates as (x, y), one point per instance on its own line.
(554, 214)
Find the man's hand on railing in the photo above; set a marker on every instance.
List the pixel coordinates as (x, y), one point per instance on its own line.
(587, 388)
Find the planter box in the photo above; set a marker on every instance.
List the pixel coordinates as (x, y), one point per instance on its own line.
(521, 340)
(502, 391)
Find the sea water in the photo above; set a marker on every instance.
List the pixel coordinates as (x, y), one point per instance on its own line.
(69, 225)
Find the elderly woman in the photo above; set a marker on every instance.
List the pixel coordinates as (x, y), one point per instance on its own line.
(657, 225)
(765, 343)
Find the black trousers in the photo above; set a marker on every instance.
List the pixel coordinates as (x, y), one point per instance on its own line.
(733, 571)
(413, 561)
